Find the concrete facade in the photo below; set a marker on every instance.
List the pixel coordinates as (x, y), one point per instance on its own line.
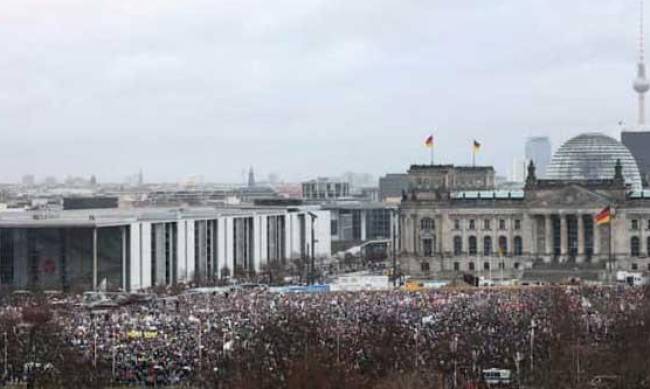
(141, 248)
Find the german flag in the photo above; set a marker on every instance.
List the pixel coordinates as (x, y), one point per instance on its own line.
(604, 216)
(429, 142)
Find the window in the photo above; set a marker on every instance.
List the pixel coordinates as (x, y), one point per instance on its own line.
(634, 266)
(334, 227)
(502, 224)
(502, 265)
(635, 249)
(472, 225)
(427, 224)
(517, 224)
(503, 245)
(456, 224)
(486, 265)
(519, 246)
(486, 224)
(456, 266)
(635, 224)
(487, 245)
(427, 247)
(648, 224)
(458, 245)
(471, 266)
(424, 266)
(516, 265)
(647, 245)
(472, 245)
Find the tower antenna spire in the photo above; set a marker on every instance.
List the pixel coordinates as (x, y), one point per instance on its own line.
(641, 51)
(641, 84)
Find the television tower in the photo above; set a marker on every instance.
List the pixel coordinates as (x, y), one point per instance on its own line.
(641, 84)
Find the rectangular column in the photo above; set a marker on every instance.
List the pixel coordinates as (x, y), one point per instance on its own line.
(581, 237)
(95, 259)
(124, 266)
(548, 235)
(563, 236)
(596, 240)
(441, 225)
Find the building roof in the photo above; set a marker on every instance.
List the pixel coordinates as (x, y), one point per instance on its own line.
(487, 194)
(592, 156)
(123, 216)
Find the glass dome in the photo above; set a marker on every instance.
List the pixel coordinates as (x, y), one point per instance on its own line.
(593, 156)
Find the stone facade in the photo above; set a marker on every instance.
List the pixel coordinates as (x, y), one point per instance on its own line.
(449, 177)
(549, 222)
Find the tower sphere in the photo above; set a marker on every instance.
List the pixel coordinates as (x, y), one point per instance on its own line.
(641, 85)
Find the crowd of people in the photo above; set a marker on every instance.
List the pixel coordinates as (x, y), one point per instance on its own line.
(450, 334)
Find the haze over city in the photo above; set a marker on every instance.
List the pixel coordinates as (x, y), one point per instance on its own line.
(302, 88)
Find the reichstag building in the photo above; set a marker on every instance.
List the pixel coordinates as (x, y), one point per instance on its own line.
(453, 220)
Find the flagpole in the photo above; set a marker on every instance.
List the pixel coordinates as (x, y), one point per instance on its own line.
(473, 157)
(431, 155)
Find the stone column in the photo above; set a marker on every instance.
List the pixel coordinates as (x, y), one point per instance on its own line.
(529, 234)
(596, 240)
(511, 235)
(95, 263)
(416, 238)
(581, 238)
(124, 262)
(563, 235)
(548, 236)
(441, 227)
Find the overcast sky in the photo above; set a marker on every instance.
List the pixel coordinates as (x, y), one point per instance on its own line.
(302, 87)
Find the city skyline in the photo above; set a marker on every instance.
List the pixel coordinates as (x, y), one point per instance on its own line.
(207, 89)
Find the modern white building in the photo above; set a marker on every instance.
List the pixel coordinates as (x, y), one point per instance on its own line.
(139, 248)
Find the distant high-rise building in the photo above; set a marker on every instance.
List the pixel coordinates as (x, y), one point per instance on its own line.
(391, 186)
(28, 180)
(325, 189)
(538, 150)
(637, 140)
(140, 178)
(93, 180)
(251, 178)
(518, 170)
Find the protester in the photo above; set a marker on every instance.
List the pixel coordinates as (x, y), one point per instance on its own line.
(158, 342)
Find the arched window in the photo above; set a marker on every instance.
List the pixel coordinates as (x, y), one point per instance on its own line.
(487, 245)
(472, 245)
(427, 224)
(648, 247)
(519, 246)
(471, 266)
(458, 245)
(486, 265)
(635, 249)
(503, 245)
